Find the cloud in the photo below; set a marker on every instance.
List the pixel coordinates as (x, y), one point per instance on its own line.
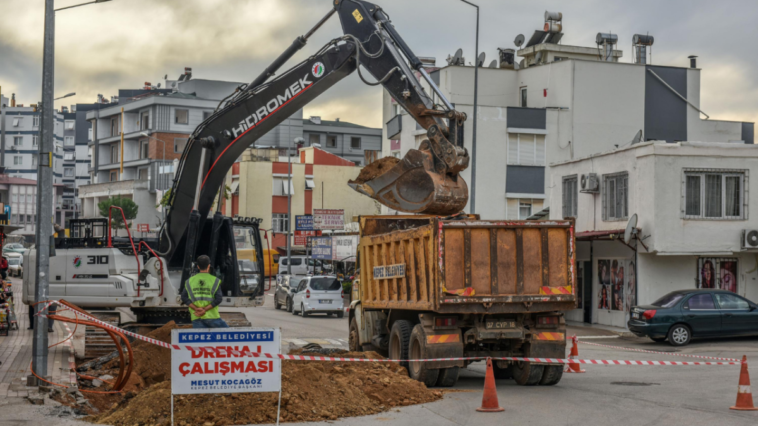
(121, 44)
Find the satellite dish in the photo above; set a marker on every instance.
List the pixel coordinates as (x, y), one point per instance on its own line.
(631, 228)
(519, 40)
(493, 64)
(480, 61)
(637, 137)
(456, 59)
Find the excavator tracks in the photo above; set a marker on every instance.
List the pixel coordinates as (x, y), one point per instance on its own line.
(97, 342)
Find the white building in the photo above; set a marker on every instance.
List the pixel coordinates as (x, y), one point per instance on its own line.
(568, 103)
(693, 204)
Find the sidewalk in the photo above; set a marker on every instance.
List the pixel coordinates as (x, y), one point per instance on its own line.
(16, 354)
(584, 329)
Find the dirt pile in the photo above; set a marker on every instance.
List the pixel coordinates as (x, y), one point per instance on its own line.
(312, 391)
(377, 168)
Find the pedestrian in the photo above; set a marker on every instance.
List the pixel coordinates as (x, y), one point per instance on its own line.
(4, 268)
(202, 294)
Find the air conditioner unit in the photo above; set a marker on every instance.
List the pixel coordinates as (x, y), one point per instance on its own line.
(750, 239)
(590, 183)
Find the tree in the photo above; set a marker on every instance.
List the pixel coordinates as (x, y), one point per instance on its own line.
(129, 207)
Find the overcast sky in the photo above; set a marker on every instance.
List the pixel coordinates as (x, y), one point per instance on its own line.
(121, 44)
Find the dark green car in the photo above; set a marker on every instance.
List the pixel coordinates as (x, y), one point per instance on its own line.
(685, 314)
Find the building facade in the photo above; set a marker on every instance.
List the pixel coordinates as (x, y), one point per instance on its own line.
(258, 185)
(559, 107)
(353, 142)
(693, 208)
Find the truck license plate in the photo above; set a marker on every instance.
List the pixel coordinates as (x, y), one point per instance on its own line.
(500, 324)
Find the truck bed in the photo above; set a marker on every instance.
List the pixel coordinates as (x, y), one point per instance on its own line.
(467, 265)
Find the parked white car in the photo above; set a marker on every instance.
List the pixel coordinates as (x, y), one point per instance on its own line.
(318, 295)
(15, 265)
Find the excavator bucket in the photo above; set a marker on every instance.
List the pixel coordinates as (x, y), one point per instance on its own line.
(412, 185)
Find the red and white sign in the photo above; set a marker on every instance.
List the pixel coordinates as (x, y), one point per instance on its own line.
(300, 240)
(218, 365)
(329, 219)
(307, 233)
(143, 227)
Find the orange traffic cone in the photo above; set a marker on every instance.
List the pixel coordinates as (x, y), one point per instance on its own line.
(489, 398)
(574, 367)
(744, 396)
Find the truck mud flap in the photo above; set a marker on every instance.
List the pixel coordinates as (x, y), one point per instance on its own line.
(547, 344)
(444, 344)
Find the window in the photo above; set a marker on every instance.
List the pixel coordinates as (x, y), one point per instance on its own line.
(14, 219)
(28, 218)
(280, 222)
(331, 141)
(714, 194)
(35, 121)
(181, 116)
(69, 156)
(570, 194)
(114, 153)
(280, 186)
(17, 122)
(717, 273)
(68, 172)
(113, 176)
(732, 302)
(314, 139)
(35, 140)
(206, 114)
(179, 145)
(142, 174)
(700, 302)
(523, 97)
(144, 123)
(309, 184)
(524, 209)
(14, 198)
(395, 154)
(144, 148)
(526, 149)
(68, 141)
(34, 160)
(89, 134)
(18, 160)
(115, 131)
(68, 125)
(18, 140)
(355, 143)
(21, 219)
(615, 197)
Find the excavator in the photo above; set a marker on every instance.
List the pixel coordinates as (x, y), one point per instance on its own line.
(98, 271)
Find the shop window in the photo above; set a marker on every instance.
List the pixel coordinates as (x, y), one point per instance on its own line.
(718, 273)
(570, 195)
(615, 196)
(711, 194)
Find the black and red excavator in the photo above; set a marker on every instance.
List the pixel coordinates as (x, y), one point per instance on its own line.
(425, 181)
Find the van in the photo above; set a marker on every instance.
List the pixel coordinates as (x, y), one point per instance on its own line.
(302, 265)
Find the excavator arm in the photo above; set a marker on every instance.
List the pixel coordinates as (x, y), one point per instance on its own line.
(424, 181)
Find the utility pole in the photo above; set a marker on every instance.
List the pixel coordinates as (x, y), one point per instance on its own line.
(44, 223)
(476, 98)
(2, 133)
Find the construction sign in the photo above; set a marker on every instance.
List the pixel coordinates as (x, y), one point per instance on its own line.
(216, 366)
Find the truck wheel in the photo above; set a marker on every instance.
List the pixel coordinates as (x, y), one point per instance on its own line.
(502, 373)
(354, 338)
(419, 370)
(400, 336)
(552, 375)
(448, 377)
(526, 373)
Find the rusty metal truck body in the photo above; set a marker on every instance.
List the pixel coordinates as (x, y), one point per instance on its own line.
(456, 287)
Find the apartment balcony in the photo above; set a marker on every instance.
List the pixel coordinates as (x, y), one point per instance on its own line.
(395, 126)
(113, 189)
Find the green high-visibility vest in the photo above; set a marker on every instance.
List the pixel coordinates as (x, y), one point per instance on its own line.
(201, 288)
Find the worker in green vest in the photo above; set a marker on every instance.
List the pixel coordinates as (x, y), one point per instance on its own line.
(203, 295)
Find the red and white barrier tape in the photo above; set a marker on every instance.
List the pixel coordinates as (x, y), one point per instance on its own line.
(225, 352)
(660, 353)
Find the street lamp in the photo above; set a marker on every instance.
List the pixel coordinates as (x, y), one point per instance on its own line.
(476, 96)
(66, 96)
(44, 230)
(289, 201)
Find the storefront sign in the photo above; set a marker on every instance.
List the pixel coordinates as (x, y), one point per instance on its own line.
(304, 223)
(328, 219)
(344, 247)
(198, 371)
(322, 248)
(389, 271)
(143, 227)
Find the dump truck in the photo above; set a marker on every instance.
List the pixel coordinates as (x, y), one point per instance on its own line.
(455, 287)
